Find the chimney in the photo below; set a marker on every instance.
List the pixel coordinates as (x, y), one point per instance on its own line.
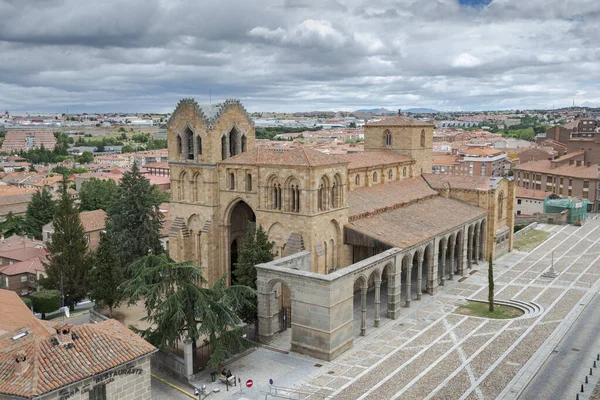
(21, 363)
(63, 334)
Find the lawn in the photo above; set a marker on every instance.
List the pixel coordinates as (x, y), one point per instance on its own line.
(477, 309)
(530, 240)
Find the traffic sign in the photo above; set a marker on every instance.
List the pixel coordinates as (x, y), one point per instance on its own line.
(249, 383)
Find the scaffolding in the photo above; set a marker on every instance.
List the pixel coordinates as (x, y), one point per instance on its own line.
(577, 208)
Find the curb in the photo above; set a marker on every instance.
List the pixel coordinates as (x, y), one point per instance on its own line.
(174, 387)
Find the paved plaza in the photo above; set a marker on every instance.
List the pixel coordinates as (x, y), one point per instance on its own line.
(432, 353)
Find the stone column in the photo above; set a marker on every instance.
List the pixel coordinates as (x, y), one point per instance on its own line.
(394, 290)
(408, 283)
(483, 241)
(451, 272)
(476, 257)
(188, 357)
(420, 277)
(443, 277)
(469, 247)
(363, 302)
(377, 301)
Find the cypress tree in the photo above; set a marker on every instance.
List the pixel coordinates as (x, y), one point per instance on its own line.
(134, 219)
(106, 275)
(491, 285)
(68, 258)
(39, 212)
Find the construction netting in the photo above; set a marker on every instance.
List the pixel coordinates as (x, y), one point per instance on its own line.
(577, 208)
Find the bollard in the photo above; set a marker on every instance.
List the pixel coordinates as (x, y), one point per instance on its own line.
(582, 388)
(598, 357)
(577, 396)
(586, 380)
(594, 364)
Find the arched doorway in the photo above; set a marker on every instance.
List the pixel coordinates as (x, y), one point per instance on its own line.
(240, 219)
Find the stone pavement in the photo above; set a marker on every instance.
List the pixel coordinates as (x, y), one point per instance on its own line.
(430, 352)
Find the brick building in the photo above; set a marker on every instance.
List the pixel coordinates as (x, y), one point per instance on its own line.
(567, 176)
(55, 360)
(93, 225)
(21, 263)
(472, 161)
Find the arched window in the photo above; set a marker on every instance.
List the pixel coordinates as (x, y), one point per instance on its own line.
(278, 196)
(422, 137)
(332, 196)
(235, 142)
(179, 146)
(249, 182)
(357, 180)
(390, 174)
(199, 145)
(323, 201)
(224, 147)
(293, 195)
(190, 145)
(404, 172)
(387, 138)
(243, 144)
(374, 177)
(336, 192)
(500, 205)
(231, 181)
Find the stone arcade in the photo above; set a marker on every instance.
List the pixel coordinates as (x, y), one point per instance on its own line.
(344, 225)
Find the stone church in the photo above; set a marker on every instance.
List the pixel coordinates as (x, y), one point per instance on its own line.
(342, 224)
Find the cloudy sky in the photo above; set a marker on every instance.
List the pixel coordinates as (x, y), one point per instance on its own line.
(286, 55)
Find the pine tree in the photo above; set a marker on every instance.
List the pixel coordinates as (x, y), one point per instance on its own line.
(491, 285)
(13, 225)
(134, 219)
(68, 258)
(256, 249)
(180, 306)
(105, 276)
(39, 212)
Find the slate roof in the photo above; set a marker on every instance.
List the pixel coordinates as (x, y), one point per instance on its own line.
(95, 348)
(296, 156)
(386, 196)
(400, 120)
(416, 222)
(372, 158)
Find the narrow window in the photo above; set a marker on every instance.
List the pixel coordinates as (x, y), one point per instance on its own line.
(422, 137)
(374, 177)
(199, 145)
(243, 144)
(390, 174)
(249, 182)
(190, 145)
(179, 148)
(404, 172)
(357, 180)
(231, 181)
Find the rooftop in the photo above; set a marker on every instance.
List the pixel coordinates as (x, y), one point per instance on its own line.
(531, 193)
(93, 220)
(480, 183)
(574, 171)
(295, 156)
(400, 120)
(372, 158)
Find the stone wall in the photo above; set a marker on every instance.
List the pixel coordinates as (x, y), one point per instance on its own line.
(544, 218)
(172, 365)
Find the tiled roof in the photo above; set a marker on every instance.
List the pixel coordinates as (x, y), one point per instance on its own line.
(23, 267)
(481, 151)
(419, 221)
(372, 158)
(298, 156)
(95, 348)
(389, 195)
(400, 121)
(532, 194)
(482, 183)
(164, 165)
(543, 166)
(445, 159)
(93, 220)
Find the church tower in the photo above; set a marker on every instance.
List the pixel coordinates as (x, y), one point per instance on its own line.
(405, 136)
(199, 137)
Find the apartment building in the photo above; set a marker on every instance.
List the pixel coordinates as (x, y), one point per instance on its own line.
(472, 161)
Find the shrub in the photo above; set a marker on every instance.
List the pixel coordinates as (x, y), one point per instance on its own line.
(27, 302)
(46, 301)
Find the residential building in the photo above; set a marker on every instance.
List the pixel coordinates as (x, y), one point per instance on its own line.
(16, 140)
(567, 176)
(93, 223)
(530, 201)
(472, 161)
(56, 360)
(156, 169)
(21, 263)
(14, 200)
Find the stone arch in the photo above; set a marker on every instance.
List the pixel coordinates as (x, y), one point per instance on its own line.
(482, 240)
(470, 244)
(199, 145)
(357, 180)
(322, 203)
(390, 174)
(292, 194)
(244, 143)
(441, 261)
(279, 296)
(335, 235)
(196, 186)
(375, 178)
(274, 193)
(181, 186)
(337, 191)
(387, 138)
(235, 141)
(238, 216)
(406, 277)
(459, 252)
(248, 182)
(231, 180)
(179, 145)
(188, 135)
(427, 269)
(276, 233)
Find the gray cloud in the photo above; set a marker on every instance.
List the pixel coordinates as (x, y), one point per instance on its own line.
(297, 54)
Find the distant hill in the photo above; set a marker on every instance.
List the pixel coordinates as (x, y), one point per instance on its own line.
(421, 111)
(376, 111)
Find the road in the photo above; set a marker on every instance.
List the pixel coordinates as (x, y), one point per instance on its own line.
(161, 391)
(565, 369)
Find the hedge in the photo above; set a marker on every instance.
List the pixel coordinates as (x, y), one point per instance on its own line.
(46, 301)
(27, 302)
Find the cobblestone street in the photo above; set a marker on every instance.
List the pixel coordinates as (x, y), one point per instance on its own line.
(432, 353)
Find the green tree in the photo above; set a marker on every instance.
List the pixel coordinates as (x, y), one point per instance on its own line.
(256, 249)
(97, 194)
(180, 306)
(45, 301)
(86, 158)
(13, 225)
(105, 276)
(40, 211)
(491, 285)
(134, 218)
(68, 259)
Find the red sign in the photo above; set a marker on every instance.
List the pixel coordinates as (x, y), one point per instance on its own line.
(249, 383)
